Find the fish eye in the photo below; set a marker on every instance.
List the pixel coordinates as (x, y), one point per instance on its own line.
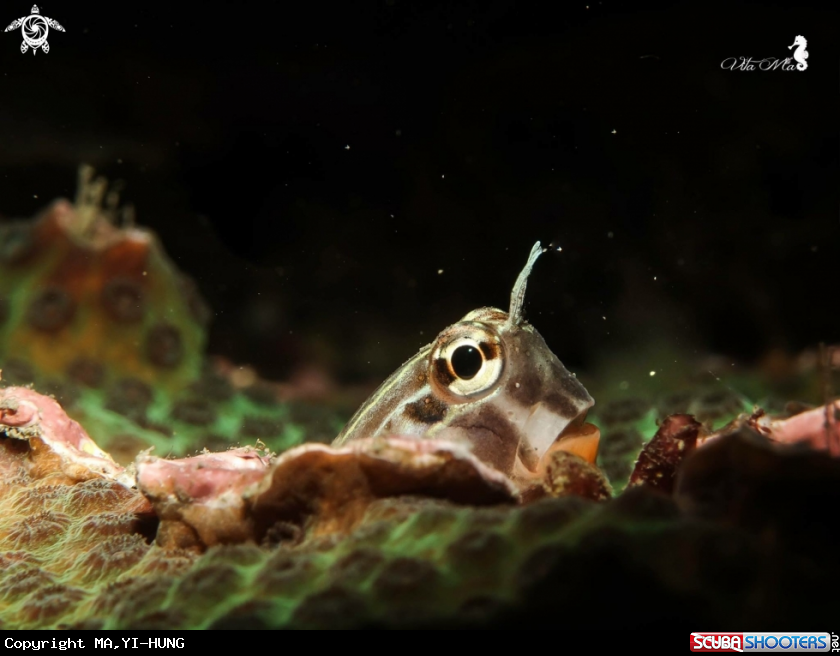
(466, 360)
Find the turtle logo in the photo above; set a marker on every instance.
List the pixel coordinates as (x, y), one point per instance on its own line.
(34, 29)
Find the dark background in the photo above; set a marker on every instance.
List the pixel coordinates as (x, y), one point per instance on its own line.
(697, 207)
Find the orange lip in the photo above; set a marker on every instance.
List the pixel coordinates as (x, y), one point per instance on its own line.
(582, 442)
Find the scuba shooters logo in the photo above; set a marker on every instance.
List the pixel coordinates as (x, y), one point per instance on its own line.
(764, 642)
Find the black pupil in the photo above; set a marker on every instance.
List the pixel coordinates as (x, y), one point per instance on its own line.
(466, 362)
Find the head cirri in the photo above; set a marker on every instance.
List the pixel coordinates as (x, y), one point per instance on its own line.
(489, 380)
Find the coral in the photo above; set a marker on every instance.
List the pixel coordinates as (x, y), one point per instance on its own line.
(218, 498)
(658, 462)
(722, 524)
(567, 473)
(80, 553)
(628, 424)
(80, 287)
(69, 526)
(130, 415)
(200, 500)
(57, 446)
(93, 311)
(740, 478)
(817, 427)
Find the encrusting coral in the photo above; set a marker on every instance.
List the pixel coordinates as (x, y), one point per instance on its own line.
(93, 311)
(92, 299)
(390, 533)
(679, 521)
(60, 448)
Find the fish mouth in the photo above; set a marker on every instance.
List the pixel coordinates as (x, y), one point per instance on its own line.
(517, 440)
(581, 439)
(544, 430)
(578, 437)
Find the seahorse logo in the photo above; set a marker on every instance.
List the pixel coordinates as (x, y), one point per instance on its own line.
(800, 55)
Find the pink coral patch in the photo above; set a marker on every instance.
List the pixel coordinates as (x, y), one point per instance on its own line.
(201, 477)
(57, 443)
